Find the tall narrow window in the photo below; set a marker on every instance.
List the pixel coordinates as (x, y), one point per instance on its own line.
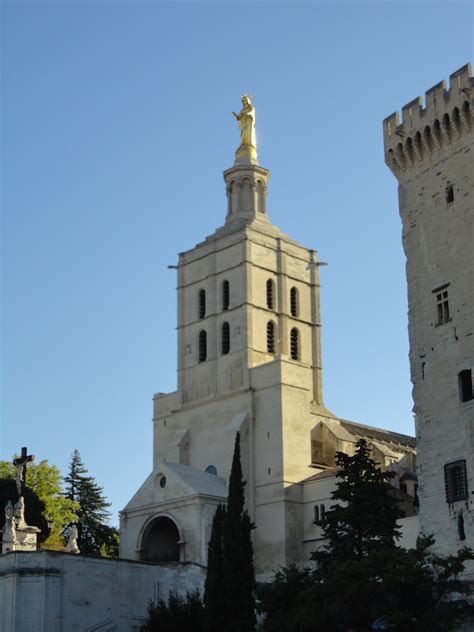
(295, 344)
(225, 338)
(465, 385)
(455, 480)
(461, 532)
(316, 514)
(202, 303)
(442, 306)
(225, 295)
(294, 302)
(271, 337)
(270, 294)
(322, 513)
(202, 346)
(449, 193)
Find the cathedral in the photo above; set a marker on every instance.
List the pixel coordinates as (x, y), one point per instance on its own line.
(249, 361)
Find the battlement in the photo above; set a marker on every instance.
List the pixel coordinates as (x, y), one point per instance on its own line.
(424, 131)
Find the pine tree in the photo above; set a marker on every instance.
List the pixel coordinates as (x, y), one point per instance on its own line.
(238, 576)
(366, 521)
(96, 537)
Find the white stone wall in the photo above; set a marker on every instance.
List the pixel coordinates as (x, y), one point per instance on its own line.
(56, 592)
(432, 147)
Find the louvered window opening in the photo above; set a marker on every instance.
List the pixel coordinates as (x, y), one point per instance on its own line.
(270, 294)
(270, 337)
(294, 307)
(225, 342)
(202, 346)
(225, 295)
(294, 344)
(202, 303)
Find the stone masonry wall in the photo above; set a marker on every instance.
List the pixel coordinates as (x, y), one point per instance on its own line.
(431, 154)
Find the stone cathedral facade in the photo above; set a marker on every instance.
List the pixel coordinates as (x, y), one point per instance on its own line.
(249, 361)
(431, 153)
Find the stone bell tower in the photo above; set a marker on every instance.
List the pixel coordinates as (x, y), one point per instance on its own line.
(431, 153)
(249, 360)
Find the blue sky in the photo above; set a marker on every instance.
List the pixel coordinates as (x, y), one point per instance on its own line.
(116, 125)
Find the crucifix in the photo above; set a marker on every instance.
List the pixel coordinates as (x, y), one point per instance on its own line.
(20, 465)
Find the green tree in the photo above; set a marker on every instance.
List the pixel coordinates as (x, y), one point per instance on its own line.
(237, 598)
(48, 505)
(96, 537)
(215, 616)
(178, 613)
(365, 518)
(363, 574)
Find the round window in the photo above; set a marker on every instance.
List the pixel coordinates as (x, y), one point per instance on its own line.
(162, 481)
(211, 469)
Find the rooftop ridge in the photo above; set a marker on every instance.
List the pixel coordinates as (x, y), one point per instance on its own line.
(423, 131)
(402, 438)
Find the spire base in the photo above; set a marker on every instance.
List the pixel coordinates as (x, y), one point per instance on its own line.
(246, 155)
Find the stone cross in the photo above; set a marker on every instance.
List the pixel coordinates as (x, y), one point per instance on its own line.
(20, 464)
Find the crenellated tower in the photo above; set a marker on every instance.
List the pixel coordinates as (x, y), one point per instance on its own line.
(431, 153)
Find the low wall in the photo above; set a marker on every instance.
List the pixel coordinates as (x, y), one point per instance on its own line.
(50, 591)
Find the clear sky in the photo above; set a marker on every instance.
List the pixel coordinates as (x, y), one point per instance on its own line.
(116, 126)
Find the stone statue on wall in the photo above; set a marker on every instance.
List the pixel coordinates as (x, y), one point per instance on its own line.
(20, 513)
(72, 546)
(246, 119)
(9, 530)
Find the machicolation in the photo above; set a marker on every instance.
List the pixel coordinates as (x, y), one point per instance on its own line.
(424, 132)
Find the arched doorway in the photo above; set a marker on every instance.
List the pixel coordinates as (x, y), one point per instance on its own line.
(160, 541)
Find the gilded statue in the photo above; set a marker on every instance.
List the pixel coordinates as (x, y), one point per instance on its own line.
(246, 119)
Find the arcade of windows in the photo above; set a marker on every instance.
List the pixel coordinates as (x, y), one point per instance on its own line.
(295, 344)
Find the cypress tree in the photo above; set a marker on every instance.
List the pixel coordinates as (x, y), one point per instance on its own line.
(238, 576)
(214, 588)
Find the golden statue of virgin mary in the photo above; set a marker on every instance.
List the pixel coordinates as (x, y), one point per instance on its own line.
(246, 119)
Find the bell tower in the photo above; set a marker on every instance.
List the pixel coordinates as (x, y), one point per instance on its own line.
(249, 361)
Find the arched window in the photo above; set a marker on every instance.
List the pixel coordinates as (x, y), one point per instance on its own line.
(294, 302)
(270, 294)
(271, 337)
(225, 338)
(295, 344)
(202, 303)
(160, 541)
(225, 295)
(202, 346)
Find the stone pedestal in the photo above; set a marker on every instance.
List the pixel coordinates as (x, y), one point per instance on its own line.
(26, 539)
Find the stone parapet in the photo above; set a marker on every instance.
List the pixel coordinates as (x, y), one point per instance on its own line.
(424, 131)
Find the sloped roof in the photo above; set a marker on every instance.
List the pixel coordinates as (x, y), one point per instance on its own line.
(199, 481)
(331, 471)
(378, 434)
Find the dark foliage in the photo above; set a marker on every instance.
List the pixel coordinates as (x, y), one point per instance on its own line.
(34, 507)
(96, 537)
(177, 614)
(215, 616)
(238, 574)
(363, 575)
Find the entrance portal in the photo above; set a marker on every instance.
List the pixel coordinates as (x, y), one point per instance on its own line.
(160, 541)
